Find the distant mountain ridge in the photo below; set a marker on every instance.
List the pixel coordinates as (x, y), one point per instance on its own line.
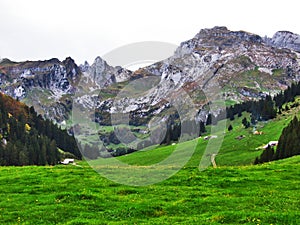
(48, 85)
(246, 66)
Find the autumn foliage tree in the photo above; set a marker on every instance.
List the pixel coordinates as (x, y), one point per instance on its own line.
(27, 139)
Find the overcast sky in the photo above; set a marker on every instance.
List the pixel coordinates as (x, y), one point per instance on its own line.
(43, 29)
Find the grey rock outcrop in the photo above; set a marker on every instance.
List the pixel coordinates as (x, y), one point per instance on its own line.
(285, 39)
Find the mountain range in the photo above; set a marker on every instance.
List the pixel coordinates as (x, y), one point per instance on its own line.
(216, 64)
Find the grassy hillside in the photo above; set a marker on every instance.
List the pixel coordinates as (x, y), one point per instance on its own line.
(232, 151)
(263, 194)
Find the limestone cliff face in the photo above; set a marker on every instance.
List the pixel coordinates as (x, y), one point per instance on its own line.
(49, 85)
(285, 39)
(105, 75)
(240, 65)
(42, 84)
(53, 75)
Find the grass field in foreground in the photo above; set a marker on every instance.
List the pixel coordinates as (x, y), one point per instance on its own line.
(262, 194)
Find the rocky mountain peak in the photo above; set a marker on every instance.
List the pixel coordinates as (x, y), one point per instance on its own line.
(53, 60)
(69, 60)
(222, 32)
(5, 61)
(285, 39)
(72, 70)
(84, 67)
(218, 38)
(239, 62)
(104, 75)
(100, 63)
(215, 31)
(41, 83)
(101, 73)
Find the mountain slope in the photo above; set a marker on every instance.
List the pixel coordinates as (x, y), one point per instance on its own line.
(28, 139)
(216, 68)
(49, 85)
(241, 64)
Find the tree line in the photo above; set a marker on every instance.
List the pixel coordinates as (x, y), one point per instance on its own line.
(27, 139)
(266, 108)
(261, 110)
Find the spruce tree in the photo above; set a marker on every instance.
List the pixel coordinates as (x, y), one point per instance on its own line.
(289, 141)
(246, 123)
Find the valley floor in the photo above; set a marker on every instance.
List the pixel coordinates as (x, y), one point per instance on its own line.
(262, 194)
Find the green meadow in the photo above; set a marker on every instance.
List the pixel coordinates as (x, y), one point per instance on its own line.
(236, 192)
(261, 194)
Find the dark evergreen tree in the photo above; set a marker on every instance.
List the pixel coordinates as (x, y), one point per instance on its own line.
(209, 119)
(289, 140)
(246, 123)
(230, 113)
(266, 156)
(202, 127)
(252, 120)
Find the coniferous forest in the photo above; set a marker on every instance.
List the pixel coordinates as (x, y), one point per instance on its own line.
(261, 110)
(27, 139)
(288, 144)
